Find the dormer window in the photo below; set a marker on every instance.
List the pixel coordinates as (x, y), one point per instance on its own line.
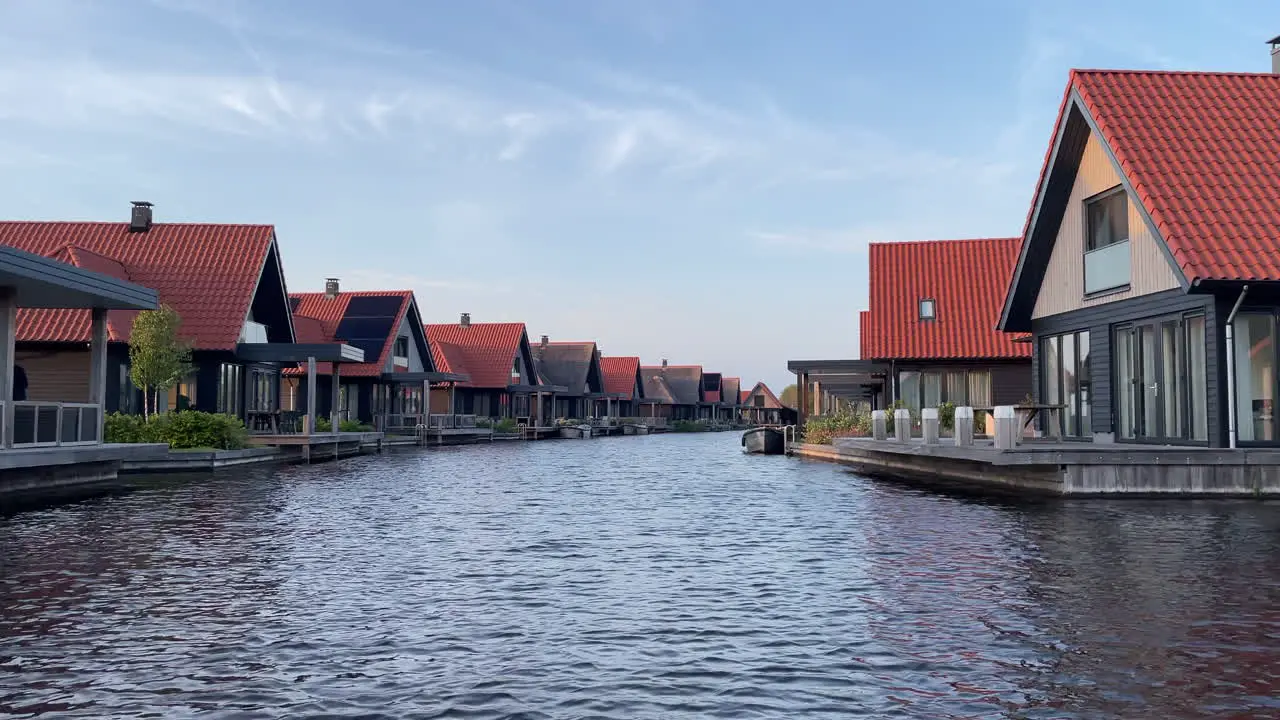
(928, 309)
(1106, 242)
(400, 353)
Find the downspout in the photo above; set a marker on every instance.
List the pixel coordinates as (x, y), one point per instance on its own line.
(1231, 370)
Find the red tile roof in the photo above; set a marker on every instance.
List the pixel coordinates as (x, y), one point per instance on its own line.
(317, 316)
(1200, 151)
(485, 351)
(966, 279)
(742, 397)
(207, 273)
(620, 374)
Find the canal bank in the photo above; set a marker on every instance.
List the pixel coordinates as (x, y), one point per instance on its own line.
(1061, 469)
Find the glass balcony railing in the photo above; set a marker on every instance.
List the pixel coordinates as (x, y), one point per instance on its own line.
(253, 332)
(1106, 268)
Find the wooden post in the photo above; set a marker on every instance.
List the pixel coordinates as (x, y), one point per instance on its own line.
(334, 395)
(8, 331)
(98, 366)
(311, 396)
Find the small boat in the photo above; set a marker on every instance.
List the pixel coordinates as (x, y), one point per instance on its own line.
(764, 441)
(575, 432)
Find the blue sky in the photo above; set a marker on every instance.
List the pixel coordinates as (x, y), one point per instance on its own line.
(689, 179)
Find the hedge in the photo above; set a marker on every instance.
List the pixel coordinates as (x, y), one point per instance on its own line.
(182, 430)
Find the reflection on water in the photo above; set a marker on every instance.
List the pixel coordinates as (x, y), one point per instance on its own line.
(640, 577)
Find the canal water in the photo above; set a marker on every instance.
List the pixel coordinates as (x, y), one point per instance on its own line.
(639, 577)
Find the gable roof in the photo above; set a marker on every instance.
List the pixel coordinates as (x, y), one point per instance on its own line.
(622, 375)
(685, 382)
(712, 396)
(206, 272)
(318, 317)
(742, 397)
(771, 401)
(730, 388)
(570, 365)
(1196, 150)
(485, 351)
(656, 389)
(966, 279)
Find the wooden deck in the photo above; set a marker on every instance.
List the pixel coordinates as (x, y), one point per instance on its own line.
(1063, 468)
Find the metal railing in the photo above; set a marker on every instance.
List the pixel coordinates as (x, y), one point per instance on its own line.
(51, 424)
(451, 422)
(402, 421)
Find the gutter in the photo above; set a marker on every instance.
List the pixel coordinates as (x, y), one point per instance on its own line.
(1231, 369)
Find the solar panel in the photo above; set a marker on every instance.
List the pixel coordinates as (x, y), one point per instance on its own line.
(372, 347)
(374, 306)
(364, 328)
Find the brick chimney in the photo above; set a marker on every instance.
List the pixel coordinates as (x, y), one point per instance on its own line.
(466, 320)
(1275, 54)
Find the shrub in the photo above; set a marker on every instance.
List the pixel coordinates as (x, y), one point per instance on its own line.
(898, 404)
(183, 430)
(506, 425)
(484, 422)
(947, 415)
(823, 429)
(354, 426)
(688, 426)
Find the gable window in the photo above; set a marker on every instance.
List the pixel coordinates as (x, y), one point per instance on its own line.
(1106, 247)
(400, 352)
(928, 309)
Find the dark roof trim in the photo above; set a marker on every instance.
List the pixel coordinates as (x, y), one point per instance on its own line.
(837, 366)
(418, 377)
(537, 388)
(299, 352)
(43, 282)
(1072, 136)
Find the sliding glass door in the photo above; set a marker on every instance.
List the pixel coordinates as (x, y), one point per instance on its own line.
(1064, 368)
(1255, 360)
(1160, 380)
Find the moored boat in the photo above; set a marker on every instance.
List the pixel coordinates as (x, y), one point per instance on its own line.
(764, 441)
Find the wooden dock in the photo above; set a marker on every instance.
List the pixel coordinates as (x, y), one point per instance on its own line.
(1063, 468)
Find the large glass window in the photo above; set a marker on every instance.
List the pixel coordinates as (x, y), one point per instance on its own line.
(230, 389)
(1106, 256)
(959, 387)
(909, 389)
(1197, 379)
(128, 391)
(1125, 357)
(1160, 379)
(980, 388)
(1255, 376)
(264, 390)
(1065, 383)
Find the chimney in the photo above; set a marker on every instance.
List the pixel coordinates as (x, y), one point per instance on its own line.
(545, 340)
(140, 218)
(664, 366)
(330, 288)
(1275, 54)
(466, 320)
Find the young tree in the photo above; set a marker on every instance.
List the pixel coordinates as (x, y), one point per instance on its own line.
(788, 396)
(158, 358)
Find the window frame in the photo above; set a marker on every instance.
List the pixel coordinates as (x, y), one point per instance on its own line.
(1094, 200)
(933, 309)
(1080, 357)
(1183, 369)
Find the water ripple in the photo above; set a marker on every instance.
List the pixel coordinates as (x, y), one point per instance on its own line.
(659, 577)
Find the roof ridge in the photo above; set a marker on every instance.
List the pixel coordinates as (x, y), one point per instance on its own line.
(115, 223)
(944, 240)
(1130, 71)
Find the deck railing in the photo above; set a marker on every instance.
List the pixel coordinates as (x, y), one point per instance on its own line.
(451, 422)
(51, 424)
(650, 421)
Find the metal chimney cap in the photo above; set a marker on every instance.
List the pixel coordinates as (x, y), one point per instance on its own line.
(142, 203)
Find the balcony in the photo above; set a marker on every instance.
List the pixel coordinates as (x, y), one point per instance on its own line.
(54, 424)
(1106, 268)
(253, 333)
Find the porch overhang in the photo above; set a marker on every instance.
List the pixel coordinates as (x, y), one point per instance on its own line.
(40, 282)
(421, 377)
(299, 352)
(537, 388)
(848, 379)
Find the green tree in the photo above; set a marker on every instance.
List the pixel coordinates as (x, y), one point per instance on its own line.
(788, 396)
(158, 358)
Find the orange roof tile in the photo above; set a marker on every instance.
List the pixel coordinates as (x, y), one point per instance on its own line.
(966, 279)
(621, 375)
(484, 351)
(317, 316)
(207, 273)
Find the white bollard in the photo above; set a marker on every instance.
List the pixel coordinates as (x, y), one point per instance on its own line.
(1006, 433)
(879, 425)
(963, 426)
(902, 425)
(929, 425)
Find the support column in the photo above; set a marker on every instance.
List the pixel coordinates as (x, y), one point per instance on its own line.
(8, 330)
(98, 366)
(802, 398)
(537, 415)
(334, 390)
(311, 396)
(453, 409)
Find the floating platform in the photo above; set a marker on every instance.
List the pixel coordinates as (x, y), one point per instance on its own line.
(1063, 468)
(39, 470)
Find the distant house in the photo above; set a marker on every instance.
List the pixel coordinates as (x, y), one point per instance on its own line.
(574, 366)
(709, 408)
(225, 281)
(731, 402)
(685, 383)
(389, 390)
(1149, 270)
(931, 326)
(763, 407)
(658, 400)
(498, 362)
(624, 383)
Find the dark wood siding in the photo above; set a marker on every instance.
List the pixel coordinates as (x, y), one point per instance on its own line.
(1010, 379)
(1100, 322)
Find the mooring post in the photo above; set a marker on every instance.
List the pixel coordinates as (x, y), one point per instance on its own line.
(964, 426)
(902, 425)
(1006, 427)
(929, 425)
(879, 425)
